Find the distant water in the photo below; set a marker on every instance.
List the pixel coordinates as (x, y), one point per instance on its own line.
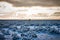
(29, 29)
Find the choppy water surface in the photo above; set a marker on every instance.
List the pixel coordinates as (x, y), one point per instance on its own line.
(29, 29)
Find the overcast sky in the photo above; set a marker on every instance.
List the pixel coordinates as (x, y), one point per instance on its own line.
(8, 7)
(14, 8)
(34, 6)
(34, 2)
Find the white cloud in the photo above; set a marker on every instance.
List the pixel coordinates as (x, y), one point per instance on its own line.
(7, 8)
(38, 9)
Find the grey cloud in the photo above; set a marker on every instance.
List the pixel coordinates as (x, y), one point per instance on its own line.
(34, 2)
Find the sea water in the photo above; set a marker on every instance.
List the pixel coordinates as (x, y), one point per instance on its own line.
(29, 29)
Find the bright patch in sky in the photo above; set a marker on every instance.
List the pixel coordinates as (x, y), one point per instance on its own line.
(7, 8)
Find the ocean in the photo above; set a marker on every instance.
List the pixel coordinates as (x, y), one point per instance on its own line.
(29, 29)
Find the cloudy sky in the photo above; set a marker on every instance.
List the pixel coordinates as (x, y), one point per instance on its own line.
(34, 2)
(28, 7)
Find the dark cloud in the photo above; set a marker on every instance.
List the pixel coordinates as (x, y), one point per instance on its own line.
(34, 2)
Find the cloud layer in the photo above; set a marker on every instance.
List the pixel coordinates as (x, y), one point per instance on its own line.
(9, 11)
(34, 2)
(7, 7)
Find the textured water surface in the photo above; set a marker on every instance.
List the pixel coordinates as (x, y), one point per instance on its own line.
(29, 29)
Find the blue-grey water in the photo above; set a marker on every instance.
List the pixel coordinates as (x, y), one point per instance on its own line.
(29, 29)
